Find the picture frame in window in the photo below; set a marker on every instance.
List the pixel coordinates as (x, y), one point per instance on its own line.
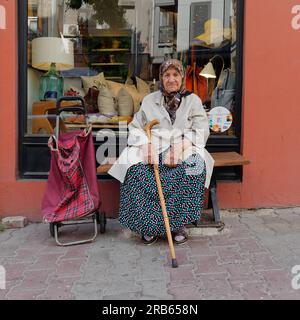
(199, 13)
(71, 30)
(32, 27)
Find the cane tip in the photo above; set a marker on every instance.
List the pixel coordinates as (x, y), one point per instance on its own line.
(174, 263)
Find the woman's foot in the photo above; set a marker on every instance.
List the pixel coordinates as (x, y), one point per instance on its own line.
(180, 236)
(149, 240)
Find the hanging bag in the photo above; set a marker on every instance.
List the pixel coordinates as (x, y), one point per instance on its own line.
(224, 93)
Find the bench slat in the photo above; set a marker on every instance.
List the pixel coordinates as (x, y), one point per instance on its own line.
(226, 159)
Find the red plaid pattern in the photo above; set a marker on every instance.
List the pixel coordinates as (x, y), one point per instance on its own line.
(75, 200)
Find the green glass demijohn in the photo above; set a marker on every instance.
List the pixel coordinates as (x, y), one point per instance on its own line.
(51, 84)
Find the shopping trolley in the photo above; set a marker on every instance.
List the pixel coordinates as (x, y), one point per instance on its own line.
(72, 195)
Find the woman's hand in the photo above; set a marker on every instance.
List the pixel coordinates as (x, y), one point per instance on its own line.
(149, 154)
(174, 154)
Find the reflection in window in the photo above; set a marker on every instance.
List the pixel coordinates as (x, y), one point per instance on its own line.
(103, 46)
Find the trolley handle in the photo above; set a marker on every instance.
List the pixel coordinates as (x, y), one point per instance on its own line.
(80, 107)
(71, 109)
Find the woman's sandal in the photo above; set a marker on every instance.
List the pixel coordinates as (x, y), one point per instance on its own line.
(149, 240)
(180, 237)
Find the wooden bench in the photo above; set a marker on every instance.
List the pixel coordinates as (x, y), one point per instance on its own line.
(222, 159)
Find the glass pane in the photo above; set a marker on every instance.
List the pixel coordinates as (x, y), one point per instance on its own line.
(80, 47)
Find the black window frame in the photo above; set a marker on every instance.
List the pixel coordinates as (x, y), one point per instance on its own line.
(33, 150)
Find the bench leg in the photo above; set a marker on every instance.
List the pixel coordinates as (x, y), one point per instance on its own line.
(213, 199)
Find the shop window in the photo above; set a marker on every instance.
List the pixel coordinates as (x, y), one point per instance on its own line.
(74, 47)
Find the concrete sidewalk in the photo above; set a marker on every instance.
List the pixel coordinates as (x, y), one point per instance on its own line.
(252, 258)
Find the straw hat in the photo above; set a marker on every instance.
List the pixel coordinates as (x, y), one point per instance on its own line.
(214, 33)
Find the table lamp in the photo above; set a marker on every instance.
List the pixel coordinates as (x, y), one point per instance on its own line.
(52, 55)
(208, 71)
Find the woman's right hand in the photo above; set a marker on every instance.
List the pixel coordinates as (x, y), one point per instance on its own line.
(150, 156)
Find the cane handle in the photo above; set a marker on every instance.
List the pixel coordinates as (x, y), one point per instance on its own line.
(149, 126)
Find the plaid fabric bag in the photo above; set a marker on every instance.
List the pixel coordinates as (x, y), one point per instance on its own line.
(72, 189)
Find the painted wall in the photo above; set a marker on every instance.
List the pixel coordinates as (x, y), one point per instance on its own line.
(271, 110)
(271, 136)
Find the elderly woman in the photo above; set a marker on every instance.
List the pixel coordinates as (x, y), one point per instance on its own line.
(177, 146)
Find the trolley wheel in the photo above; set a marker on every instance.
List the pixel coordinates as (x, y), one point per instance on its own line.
(51, 228)
(102, 222)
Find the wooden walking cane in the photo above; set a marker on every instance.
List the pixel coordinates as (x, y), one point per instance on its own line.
(162, 199)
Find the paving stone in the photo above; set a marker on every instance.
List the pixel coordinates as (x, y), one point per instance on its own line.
(45, 261)
(19, 293)
(222, 241)
(121, 286)
(208, 264)
(84, 290)
(257, 290)
(7, 249)
(124, 271)
(242, 273)
(35, 279)
(250, 245)
(9, 285)
(154, 289)
(277, 280)
(239, 232)
(265, 212)
(279, 228)
(69, 267)
(181, 275)
(185, 293)
(215, 284)
(100, 256)
(262, 261)
(200, 247)
(14, 222)
(229, 254)
(296, 210)
(15, 271)
(76, 252)
(183, 257)
(151, 271)
(59, 289)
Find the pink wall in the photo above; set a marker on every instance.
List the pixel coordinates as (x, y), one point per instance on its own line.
(271, 111)
(271, 136)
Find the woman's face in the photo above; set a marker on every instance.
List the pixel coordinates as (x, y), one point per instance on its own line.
(172, 80)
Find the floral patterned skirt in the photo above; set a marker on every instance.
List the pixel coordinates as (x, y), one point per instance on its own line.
(183, 189)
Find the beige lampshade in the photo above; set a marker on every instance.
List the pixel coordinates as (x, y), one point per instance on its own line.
(47, 50)
(208, 71)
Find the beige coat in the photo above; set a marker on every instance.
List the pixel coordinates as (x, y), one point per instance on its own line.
(191, 122)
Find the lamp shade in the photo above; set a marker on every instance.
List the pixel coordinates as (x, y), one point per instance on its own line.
(208, 71)
(47, 50)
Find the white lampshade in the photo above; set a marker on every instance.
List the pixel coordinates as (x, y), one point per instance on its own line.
(208, 71)
(47, 50)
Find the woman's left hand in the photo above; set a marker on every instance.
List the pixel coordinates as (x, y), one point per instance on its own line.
(174, 155)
